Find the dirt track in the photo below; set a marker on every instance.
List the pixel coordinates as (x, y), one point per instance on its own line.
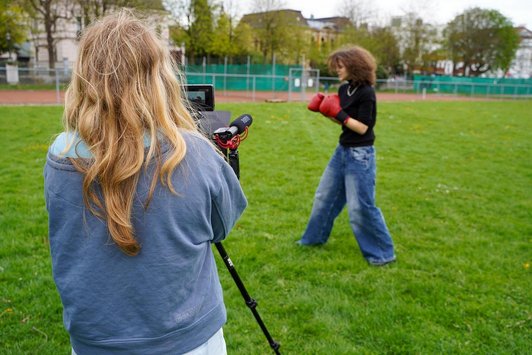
(49, 97)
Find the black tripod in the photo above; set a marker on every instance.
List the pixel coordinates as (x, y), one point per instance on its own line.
(228, 144)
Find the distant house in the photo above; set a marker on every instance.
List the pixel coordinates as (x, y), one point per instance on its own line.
(521, 66)
(319, 30)
(326, 29)
(66, 36)
(260, 20)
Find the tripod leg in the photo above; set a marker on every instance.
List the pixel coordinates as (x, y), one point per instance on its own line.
(232, 158)
(250, 302)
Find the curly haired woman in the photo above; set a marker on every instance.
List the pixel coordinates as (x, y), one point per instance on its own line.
(350, 175)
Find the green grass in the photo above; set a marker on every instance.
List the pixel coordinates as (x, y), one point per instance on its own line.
(23, 87)
(455, 186)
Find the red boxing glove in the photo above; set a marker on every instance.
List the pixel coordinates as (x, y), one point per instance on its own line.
(330, 107)
(314, 104)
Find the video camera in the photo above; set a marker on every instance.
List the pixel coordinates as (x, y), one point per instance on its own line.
(215, 124)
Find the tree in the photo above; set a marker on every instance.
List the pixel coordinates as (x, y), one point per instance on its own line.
(289, 41)
(195, 25)
(222, 39)
(88, 11)
(380, 41)
(272, 27)
(481, 40)
(386, 50)
(201, 28)
(243, 39)
(12, 29)
(417, 38)
(359, 12)
(48, 13)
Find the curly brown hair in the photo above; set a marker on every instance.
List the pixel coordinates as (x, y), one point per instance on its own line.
(359, 63)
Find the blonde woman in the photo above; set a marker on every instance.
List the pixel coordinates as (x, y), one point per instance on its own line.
(135, 198)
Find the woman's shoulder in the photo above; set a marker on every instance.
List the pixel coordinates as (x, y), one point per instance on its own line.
(367, 92)
(343, 87)
(198, 144)
(69, 145)
(195, 138)
(202, 156)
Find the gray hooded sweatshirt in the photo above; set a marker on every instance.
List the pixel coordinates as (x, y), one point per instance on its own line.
(168, 298)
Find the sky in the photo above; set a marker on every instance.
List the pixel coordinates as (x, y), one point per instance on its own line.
(434, 11)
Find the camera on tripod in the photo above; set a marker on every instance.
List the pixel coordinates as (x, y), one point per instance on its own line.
(215, 124)
(227, 136)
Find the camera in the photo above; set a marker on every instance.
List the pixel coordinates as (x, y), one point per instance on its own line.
(201, 97)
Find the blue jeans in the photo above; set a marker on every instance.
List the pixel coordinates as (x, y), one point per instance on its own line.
(350, 178)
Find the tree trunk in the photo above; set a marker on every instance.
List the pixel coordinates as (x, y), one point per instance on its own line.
(51, 51)
(48, 27)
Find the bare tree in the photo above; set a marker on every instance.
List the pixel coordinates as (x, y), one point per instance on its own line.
(267, 5)
(180, 10)
(360, 12)
(231, 8)
(89, 10)
(416, 39)
(424, 9)
(49, 12)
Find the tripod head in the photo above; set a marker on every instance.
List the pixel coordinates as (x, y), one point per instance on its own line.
(226, 136)
(230, 137)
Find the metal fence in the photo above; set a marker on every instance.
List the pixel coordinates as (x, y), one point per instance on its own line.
(294, 86)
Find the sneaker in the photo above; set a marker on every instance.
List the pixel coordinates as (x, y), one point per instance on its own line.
(300, 243)
(381, 263)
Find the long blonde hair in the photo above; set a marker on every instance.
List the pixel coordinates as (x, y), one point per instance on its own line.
(124, 86)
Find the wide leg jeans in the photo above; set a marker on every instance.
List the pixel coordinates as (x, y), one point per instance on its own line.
(350, 179)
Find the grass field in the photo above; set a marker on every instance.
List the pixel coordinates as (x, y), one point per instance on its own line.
(455, 186)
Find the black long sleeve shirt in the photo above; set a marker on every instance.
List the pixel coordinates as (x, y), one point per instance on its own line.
(362, 106)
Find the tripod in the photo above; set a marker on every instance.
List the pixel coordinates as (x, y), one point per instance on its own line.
(229, 145)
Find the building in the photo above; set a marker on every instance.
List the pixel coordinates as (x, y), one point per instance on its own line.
(66, 35)
(521, 66)
(418, 43)
(318, 30)
(327, 29)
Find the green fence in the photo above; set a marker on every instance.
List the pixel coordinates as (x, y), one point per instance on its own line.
(260, 77)
(473, 86)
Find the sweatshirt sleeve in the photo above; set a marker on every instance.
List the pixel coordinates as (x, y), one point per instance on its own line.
(228, 203)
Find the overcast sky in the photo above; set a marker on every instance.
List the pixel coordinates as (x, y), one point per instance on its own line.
(434, 11)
